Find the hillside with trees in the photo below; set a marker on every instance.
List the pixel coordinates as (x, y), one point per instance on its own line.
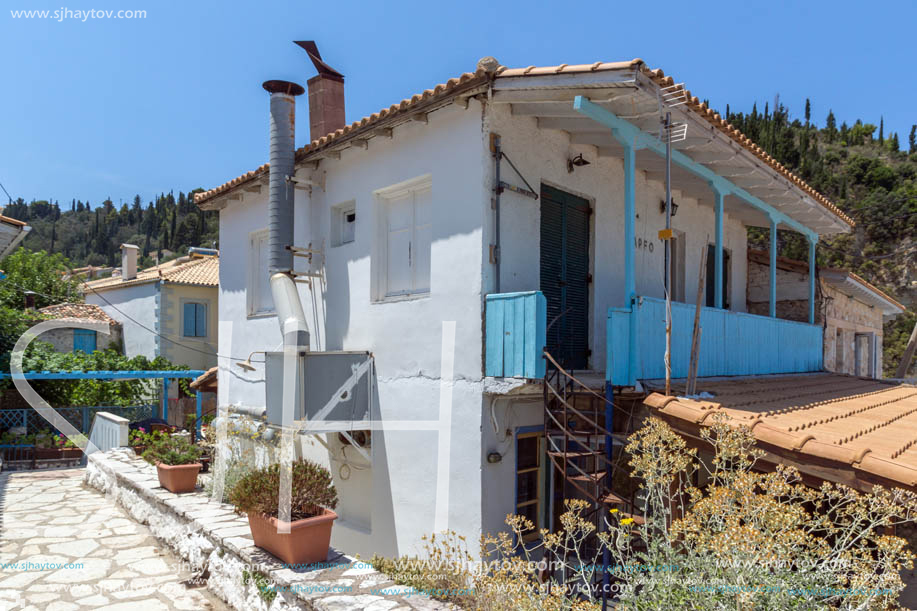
(92, 235)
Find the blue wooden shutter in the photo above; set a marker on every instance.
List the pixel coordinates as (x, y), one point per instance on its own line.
(85, 340)
(200, 320)
(188, 318)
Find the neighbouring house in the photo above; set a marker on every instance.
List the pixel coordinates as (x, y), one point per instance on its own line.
(168, 310)
(850, 309)
(12, 232)
(451, 238)
(72, 339)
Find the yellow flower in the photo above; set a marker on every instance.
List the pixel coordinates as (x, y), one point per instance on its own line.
(627, 520)
(612, 511)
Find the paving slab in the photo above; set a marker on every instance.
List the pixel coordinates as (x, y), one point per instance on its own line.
(63, 553)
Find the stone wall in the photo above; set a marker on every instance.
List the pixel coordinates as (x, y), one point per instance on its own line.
(217, 545)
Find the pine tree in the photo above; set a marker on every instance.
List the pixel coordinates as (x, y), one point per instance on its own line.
(830, 126)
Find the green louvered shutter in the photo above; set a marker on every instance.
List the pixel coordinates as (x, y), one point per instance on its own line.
(565, 275)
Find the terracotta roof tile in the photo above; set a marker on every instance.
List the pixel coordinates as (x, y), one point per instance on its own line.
(201, 271)
(865, 426)
(12, 221)
(77, 311)
(450, 87)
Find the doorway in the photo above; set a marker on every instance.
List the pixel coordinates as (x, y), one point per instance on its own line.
(565, 275)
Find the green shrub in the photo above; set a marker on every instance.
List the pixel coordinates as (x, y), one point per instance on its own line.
(172, 451)
(259, 491)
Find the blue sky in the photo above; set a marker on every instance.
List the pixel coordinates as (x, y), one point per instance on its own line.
(107, 107)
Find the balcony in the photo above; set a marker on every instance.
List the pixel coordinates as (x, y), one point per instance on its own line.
(731, 343)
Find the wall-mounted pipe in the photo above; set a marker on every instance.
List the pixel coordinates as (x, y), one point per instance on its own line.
(290, 314)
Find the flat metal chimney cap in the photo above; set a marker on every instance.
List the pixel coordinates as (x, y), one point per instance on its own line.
(283, 87)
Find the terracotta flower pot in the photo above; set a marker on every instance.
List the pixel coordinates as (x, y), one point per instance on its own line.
(138, 450)
(306, 543)
(178, 478)
(45, 453)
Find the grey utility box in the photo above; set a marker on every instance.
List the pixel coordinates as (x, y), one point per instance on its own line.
(341, 381)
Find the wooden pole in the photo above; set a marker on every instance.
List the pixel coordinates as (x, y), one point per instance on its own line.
(905, 363)
(691, 382)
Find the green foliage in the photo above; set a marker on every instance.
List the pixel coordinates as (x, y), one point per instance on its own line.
(172, 450)
(258, 491)
(40, 272)
(65, 393)
(92, 236)
(266, 589)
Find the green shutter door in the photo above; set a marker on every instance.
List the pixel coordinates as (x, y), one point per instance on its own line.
(565, 275)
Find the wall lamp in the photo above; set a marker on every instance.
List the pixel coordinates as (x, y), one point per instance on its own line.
(247, 363)
(662, 206)
(577, 161)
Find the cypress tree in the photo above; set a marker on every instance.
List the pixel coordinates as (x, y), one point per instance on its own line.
(808, 111)
(912, 140)
(881, 130)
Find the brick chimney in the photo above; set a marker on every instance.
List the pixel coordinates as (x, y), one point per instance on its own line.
(326, 95)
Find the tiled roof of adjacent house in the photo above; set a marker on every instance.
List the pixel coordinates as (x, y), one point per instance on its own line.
(12, 221)
(200, 271)
(77, 311)
(792, 265)
(469, 80)
(864, 427)
(207, 381)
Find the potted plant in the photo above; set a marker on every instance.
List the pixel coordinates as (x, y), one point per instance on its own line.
(176, 463)
(68, 448)
(46, 446)
(314, 497)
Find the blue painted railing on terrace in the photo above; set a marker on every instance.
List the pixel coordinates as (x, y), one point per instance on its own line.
(515, 333)
(731, 343)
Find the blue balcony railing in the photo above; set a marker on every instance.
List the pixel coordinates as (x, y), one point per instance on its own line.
(731, 343)
(515, 332)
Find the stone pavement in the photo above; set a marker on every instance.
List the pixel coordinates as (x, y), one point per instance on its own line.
(50, 518)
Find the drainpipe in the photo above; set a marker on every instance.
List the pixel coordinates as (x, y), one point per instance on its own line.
(290, 314)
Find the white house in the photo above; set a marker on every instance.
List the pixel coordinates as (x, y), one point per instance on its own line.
(167, 310)
(444, 205)
(12, 232)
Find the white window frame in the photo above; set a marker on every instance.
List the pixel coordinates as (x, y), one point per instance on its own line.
(339, 214)
(382, 197)
(254, 275)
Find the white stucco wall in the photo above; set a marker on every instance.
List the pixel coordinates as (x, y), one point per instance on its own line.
(135, 307)
(393, 505)
(541, 156)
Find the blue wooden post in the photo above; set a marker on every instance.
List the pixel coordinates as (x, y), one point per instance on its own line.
(85, 420)
(718, 257)
(630, 222)
(164, 413)
(812, 281)
(25, 420)
(773, 303)
(200, 411)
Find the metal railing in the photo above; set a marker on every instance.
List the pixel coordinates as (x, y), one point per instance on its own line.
(80, 417)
